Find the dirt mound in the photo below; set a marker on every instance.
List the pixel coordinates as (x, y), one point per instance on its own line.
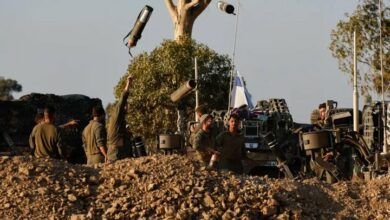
(175, 187)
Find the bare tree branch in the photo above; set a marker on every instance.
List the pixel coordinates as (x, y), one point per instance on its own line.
(191, 4)
(200, 7)
(171, 9)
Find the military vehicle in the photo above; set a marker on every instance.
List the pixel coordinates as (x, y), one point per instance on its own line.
(336, 152)
(331, 151)
(269, 125)
(17, 119)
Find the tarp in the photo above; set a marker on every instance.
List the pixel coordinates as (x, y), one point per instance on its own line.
(240, 95)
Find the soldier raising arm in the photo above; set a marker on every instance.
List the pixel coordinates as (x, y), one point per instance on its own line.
(118, 140)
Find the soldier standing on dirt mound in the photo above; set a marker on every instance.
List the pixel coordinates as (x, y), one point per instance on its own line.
(95, 137)
(45, 138)
(119, 145)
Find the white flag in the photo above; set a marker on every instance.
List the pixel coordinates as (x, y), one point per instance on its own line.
(240, 95)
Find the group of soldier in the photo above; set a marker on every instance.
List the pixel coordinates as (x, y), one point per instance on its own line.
(100, 145)
(224, 150)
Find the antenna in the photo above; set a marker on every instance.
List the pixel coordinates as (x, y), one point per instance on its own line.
(234, 54)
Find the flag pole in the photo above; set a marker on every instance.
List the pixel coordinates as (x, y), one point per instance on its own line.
(232, 72)
(385, 147)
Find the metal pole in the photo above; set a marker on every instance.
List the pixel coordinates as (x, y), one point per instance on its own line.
(385, 150)
(234, 55)
(196, 89)
(355, 88)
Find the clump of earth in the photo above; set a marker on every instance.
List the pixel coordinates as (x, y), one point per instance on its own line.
(176, 187)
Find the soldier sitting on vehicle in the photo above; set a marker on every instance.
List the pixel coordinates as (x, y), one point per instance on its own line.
(204, 143)
(318, 116)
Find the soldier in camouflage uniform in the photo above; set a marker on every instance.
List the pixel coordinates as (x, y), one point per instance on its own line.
(318, 116)
(119, 146)
(204, 143)
(231, 144)
(95, 138)
(45, 138)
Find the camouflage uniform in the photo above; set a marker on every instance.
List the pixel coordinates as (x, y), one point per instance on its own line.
(203, 140)
(232, 148)
(118, 140)
(94, 136)
(46, 141)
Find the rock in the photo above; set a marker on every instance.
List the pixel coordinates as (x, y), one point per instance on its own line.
(111, 211)
(170, 211)
(205, 216)
(151, 187)
(72, 198)
(237, 211)
(228, 215)
(24, 171)
(78, 217)
(113, 182)
(42, 191)
(232, 197)
(93, 180)
(123, 187)
(269, 210)
(188, 194)
(178, 190)
(208, 201)
(272, 202)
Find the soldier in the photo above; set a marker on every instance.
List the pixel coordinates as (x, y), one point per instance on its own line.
(322, 114)
(95, 137)
(204, 143)
(118, 140)
(200, 110)
(231, 144)
(318, 116)
(45, 138)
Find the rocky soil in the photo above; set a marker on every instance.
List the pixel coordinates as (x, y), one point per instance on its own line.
(175, 187)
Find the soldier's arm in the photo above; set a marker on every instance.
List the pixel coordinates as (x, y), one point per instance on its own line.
(125, 94)
(69, 123)
(243, 151)
(197, 141)
(83, 139)
(32, 141)
(60, 144)
(101, 139)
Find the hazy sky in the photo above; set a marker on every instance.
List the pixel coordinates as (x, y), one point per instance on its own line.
(69, 46)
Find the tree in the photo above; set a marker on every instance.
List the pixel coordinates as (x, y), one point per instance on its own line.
(365, 20)
(160, 72)
(7, 86)
(184, 14)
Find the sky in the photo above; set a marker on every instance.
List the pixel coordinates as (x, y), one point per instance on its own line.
(75, 47)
